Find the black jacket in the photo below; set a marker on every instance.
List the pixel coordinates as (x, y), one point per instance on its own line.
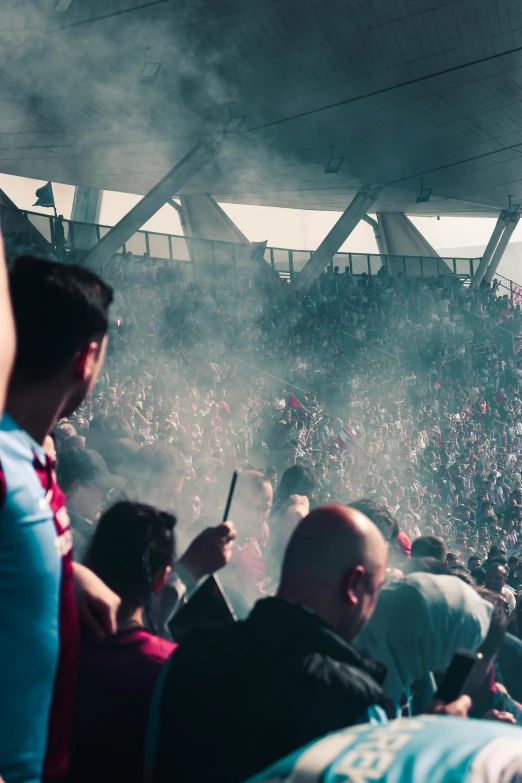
(238, 698)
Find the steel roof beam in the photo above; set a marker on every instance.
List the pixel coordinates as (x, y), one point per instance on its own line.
(119, 234)
(354, 213)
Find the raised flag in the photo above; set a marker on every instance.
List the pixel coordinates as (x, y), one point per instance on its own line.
(349, 445)
(293, 402)
(257, 250)
(44, 196)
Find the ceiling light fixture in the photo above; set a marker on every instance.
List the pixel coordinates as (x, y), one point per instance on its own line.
(149, 71)
(424, 194)
(62, 6)
(333, 165)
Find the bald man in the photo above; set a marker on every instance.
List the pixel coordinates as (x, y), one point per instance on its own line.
(254, 691)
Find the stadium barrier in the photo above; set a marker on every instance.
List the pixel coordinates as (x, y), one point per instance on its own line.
(81, 237)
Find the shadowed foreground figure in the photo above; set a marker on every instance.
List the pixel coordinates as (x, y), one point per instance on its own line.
(257, 690)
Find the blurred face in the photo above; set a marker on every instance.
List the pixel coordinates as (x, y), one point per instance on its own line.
(86, 370)
(251, 509)
(496, 578)
(87, 499)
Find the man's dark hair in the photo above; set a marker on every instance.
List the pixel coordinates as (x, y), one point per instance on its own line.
(132, 544)
(104, 430)
(429, 546)
(296, 480)
(58, 308)
(498, 561)
(479, 575)
(72, 442)
(380, 515)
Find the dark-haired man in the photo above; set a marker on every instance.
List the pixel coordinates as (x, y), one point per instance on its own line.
(61, 319)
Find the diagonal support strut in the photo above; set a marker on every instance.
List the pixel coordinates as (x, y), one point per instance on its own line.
(198, 157)
(363, 200)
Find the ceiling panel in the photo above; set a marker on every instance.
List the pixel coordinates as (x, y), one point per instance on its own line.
(363, 75)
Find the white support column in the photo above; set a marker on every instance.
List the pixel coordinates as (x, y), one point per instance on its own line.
(379, 236)
(362, 202)
(501, 247)
(488, 252)
(200, 155)
(86, 204)
(85, 214)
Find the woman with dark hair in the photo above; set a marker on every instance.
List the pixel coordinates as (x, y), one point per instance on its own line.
(133, 551)
(291, 504)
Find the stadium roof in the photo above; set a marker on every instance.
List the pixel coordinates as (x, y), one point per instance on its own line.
(400, 89)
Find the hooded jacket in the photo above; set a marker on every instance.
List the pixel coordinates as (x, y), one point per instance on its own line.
(418, 625)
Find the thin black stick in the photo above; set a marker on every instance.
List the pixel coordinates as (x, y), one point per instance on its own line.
(230, 495)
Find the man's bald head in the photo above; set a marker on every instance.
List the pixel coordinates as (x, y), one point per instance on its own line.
(330, 540)
(335, 564)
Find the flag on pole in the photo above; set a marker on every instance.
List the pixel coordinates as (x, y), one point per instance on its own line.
(517, 294)
(293, 402)
(257, 250)
(349, 445)
(44, 196)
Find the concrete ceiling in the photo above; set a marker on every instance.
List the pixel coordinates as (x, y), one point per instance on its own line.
(401, 89)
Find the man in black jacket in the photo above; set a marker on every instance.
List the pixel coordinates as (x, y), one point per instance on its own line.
(234, 700)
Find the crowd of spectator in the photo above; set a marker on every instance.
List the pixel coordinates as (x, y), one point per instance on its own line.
(376, 426)
(418, 372)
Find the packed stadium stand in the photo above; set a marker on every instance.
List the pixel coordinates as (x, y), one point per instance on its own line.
(260, 507)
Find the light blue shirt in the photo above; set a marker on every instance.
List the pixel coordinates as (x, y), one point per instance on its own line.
(30, 570)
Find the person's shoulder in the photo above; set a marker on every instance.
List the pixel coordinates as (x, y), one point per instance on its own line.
(154, 647)
(14, 440)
